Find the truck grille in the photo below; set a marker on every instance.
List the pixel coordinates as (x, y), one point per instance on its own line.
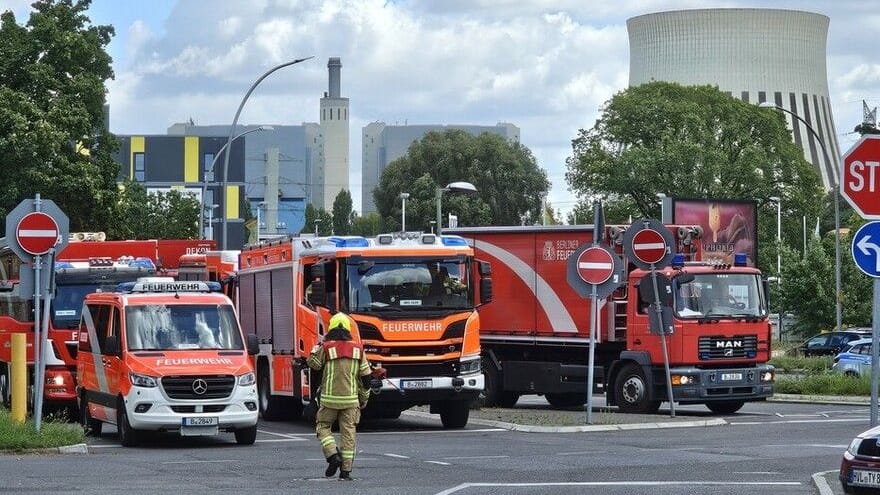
(738, 347)
(448, 368)
(185, 387)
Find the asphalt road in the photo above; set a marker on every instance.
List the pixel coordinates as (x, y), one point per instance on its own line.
(767, 448)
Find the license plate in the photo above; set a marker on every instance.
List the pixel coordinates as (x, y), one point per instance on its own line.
(413, 384)
(864, 478)
(728, 377)
(201, 421)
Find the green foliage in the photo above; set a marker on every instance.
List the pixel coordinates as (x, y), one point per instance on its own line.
(368, 225)
(808, 288)
(824, 384)
(54, 432)
(342, 213)
(791, 364)
(53, 140)
(143, 215)
(509, 182)
(324, 219)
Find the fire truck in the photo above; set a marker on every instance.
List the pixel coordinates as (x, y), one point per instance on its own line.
(535, 334)
(412, 296)
(88, 264)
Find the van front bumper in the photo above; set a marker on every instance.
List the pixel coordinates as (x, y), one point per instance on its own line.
(150, 409)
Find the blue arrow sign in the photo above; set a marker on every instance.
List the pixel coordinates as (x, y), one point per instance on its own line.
(866, 249)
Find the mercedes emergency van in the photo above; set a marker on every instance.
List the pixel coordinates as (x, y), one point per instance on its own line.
(169, 356)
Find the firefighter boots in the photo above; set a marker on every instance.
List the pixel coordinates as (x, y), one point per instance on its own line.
(333, 463)
(345, 475)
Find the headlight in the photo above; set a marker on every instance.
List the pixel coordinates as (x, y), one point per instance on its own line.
(854, 446)
(142, 380)
(247, 379)
(470, 366)
(683, 380)
(767, 376)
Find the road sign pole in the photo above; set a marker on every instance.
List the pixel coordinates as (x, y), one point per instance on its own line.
(875, 351)
(44, 337)
(658, 311)
(38, 345)
(594, 316)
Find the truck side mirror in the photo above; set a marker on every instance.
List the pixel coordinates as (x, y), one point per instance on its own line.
(317, 270)
(111, 345)
(485, 268)
(485, 290)
(318, 294)
(664, 288)
(253, 344)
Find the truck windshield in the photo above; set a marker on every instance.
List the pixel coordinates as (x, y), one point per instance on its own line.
(720, 295)
(68, 301)
(411, 285)
(157, 327)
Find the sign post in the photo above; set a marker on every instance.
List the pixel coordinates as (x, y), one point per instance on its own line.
(860, 185)
(648, 244)
(594, 271)
(40, 228)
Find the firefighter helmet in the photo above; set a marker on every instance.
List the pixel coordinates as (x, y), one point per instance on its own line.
(340, 320)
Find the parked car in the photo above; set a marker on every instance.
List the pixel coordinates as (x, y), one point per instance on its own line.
(860, 467)
(830, 343)
(855, 360)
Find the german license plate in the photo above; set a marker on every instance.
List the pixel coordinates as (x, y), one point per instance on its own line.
(415, 384)
(729, 377)
(201, 421)
(864, 478)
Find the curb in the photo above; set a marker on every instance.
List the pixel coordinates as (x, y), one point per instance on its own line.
(581, 428)
(848, 400)
(822, 484)
(78, 448)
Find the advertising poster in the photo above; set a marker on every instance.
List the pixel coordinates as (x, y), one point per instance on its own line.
(729, 226)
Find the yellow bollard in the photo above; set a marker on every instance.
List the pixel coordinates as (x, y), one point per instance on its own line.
(19, 377)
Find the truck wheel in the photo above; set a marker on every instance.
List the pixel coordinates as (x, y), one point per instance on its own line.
(246, 436)
(631, 391)
(91, 426)
(566, 400)
(128, 436)
(454, 414)
(493, 395)
(725, 407)
(270, 406)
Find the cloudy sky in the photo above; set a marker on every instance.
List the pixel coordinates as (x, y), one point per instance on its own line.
(545, 66)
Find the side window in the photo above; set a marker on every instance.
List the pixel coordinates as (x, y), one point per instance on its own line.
(817, 341)
(865, 349)
(839, 340)
(117, 325)
(101, 316)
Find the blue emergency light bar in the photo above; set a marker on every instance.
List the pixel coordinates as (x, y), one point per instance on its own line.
(453, 240)
(161, 286)
(740, 259)
(348, 241)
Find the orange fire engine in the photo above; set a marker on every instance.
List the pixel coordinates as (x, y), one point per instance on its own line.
(413, 298)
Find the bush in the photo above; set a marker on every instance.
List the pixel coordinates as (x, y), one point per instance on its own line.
(791, 364)
(55, 431)
(824, 384)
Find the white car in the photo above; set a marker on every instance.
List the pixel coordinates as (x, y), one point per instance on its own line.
(854, 360)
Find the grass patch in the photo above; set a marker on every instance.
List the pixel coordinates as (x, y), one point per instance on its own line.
(794, 364)
(55, 431)
(824, 384)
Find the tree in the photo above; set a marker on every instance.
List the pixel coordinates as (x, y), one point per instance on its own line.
(319, 215)
(696, 142)
(53, 140)
(508, 180)
(143, 215)
(368, 225)
(342, 213)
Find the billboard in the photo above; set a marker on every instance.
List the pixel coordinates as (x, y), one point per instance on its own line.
(729, 226)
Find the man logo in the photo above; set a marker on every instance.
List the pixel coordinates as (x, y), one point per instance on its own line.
(199, 386)
(728, 352)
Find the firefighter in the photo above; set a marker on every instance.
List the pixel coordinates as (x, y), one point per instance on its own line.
(345, 388)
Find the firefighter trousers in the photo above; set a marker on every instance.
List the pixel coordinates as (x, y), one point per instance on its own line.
(348, 420)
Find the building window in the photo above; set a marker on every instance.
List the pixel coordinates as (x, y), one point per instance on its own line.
(139, 167)
(209, 197)
(331, 114)
(337, 114)
(208, 165)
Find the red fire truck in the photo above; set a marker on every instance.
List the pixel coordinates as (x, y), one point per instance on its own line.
(535, 334)
(413, 299)
(88, 264)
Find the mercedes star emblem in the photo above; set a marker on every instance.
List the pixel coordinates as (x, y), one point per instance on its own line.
(200, 386)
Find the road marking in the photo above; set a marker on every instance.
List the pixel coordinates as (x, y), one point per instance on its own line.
(819, 445)
(757, 472)
(277, 440)
(464, 486)
(440, 463)
(586, 452)
(285, 435)
(397, 456)
(423, 432)
(822, 483)
(463, 458)
(98, 446)
(199, 462)
(794, 421)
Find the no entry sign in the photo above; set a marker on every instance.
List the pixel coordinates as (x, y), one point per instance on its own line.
(649, 246)
(595, 265)
(36, 233)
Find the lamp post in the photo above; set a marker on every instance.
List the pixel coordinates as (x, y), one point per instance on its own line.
(403, 198)
(453, 187)
(260, 206)
(232, 130)
(778, 202)
(209, 231)
(834, 188)
(217, 156)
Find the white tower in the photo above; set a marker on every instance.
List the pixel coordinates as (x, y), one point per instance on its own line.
(334, 127)
(755, 55)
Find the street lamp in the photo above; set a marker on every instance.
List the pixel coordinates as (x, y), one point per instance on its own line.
(232, 130)
(221, 150)
(453, 187)
(403, 198)
(778, 202)
(834, 188)
(209, 231)
(260, 206)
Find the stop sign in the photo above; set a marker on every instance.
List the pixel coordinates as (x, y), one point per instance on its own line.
(649, 246)
(36, 233)
(595, 266)
(860, 178)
